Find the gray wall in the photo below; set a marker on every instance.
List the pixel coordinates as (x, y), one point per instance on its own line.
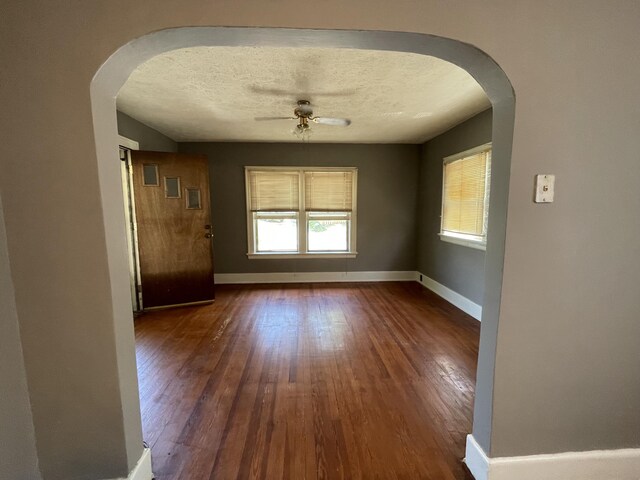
(387, 203)
(147, 137)
(567, 376)
(18, 459)
(455, 266)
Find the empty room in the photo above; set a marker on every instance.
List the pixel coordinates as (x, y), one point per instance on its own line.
(297, 219)
(324, 240)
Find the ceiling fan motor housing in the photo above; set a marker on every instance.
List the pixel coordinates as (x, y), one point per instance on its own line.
(304, 109)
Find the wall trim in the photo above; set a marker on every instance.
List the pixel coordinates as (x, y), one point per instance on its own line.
(142, 470)
(449, 295)
(623, 464)
(476, 460)
(463, 303)
(128, 143)
(307, 277)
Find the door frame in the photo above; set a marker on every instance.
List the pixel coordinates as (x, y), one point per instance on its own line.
(126, 144)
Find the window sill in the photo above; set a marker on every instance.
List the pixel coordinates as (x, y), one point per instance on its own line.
(274, 256)
(465, 242)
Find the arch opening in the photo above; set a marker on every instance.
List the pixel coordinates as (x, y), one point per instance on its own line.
(116, 70)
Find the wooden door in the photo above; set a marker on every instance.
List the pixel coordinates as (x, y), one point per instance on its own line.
(173, 214)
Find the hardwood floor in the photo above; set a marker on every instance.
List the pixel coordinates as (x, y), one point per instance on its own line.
(313, 381)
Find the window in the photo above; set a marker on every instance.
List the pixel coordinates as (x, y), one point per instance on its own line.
(172, 187)
(194, 198)
(294, 211)
(465, 197)
(150, 175)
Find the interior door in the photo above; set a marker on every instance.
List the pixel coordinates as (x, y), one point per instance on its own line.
(171, 192)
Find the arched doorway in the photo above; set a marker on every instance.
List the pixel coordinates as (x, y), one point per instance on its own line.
(115, 71)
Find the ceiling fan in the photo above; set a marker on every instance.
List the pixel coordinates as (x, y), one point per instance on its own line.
(304, 114)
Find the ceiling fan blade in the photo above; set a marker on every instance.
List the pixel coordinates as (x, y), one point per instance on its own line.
(262, 119)
(296, 93)
(338, 122)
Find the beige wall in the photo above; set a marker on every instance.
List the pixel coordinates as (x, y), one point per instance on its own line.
(18, 457)
(566, 371)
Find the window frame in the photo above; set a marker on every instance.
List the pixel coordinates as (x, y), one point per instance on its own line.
(467, 240)
(302, 216)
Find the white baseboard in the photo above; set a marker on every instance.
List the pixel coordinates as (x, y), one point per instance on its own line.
(621, 464)
(307, 277)
(449, 295)
(476, 460)
(455, 298)
(142, 470)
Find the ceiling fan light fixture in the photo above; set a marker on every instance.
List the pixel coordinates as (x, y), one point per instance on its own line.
(304, 114)
(303, 131)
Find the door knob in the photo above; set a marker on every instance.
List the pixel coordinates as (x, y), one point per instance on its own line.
(208, 235)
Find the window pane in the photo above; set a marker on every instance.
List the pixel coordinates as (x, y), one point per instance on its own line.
(172, 187)
(150, 175)
(276, 232)
(328, 234)
(193, 199)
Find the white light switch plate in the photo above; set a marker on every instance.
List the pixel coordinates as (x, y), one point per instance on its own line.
(544, 188)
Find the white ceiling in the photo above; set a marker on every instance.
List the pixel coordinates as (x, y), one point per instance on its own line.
(215, 93)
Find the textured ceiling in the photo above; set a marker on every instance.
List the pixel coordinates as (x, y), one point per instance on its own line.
(215, 93)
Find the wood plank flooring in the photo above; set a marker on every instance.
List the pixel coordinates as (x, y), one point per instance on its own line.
(313, 381)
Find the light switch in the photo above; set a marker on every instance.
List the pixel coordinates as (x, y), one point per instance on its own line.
(544, 188)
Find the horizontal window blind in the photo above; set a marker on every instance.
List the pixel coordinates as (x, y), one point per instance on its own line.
(328, 191)
(464, 196)
(274, 191)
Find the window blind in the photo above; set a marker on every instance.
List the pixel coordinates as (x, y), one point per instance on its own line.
(274, 191)
(328, 191)
(465, 195)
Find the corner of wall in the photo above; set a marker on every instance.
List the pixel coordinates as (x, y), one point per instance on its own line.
(455, 267)
(148, 137)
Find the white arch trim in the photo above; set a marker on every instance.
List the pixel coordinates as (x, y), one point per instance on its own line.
(116, 70)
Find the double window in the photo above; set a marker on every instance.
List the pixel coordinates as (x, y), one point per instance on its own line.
(295, 211)
(465, 197)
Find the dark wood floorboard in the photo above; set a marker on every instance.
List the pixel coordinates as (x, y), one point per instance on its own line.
(313, 381)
